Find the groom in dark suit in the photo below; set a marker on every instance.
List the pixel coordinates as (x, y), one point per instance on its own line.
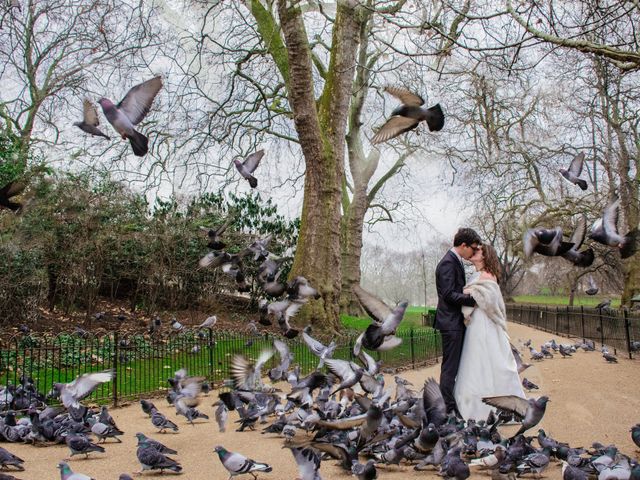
(450, 281)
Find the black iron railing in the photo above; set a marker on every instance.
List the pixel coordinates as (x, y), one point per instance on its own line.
(616, 328)
(143, 363)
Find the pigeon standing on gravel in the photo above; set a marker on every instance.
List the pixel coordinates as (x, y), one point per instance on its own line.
(573, 173)
(605, 231)
(71, 393)
(366, 471)
(67, 474)
(81, 445)
(222, 415)
(90, 120)
(529, 385)
(635, 434)
(248, 166)
(152, 459)
(130, 111)
(609, 358)
(408, 116)
(151, 443)
(161, 422)
(531, 411)
(237, 464)
(9, 459)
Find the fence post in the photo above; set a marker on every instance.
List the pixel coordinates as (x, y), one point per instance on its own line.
(116, 360)
(626, 331)
(555, 323)
(413, 355)
(582, 322)
(210, 345)
(351, 357)
(601, 328)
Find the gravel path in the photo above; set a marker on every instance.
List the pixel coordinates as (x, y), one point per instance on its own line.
(590, 400)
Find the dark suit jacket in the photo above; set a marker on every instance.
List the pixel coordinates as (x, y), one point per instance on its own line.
(449, 283)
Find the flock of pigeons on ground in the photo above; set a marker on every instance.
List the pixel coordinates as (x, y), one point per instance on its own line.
(344, 414)
(551, 243)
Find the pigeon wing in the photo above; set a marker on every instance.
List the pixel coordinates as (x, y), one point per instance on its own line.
(576, 164)
(89, 113)
(610, 216)
(509, 403)
(530, 242)
(282, 349)
(374, 307)
(82, 387)
(405, 96)
(314, 345)
(252, 161)
(340, 368)
(579, 233)
(137, 102)
(241, 370)
(432, 397)
(394, 127)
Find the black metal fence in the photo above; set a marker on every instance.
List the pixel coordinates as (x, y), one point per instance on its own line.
(617, 329)
(143, 363)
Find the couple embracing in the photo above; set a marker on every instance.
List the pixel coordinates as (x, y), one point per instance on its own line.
(476, 354)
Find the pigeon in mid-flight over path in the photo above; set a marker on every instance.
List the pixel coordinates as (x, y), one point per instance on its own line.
(130, 111)
(408, 116)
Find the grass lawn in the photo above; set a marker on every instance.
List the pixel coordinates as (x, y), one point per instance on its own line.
(564, 300)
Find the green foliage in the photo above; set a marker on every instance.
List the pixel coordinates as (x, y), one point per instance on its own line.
(564, 300)
(12, 160)
(82, 238)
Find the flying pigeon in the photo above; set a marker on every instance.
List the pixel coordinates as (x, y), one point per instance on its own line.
(408, 116)
(605, 231)
(286, 357)
(9, 191)
(531, 411)
(246, 375)
(67, 474)
(348, 372)
(593, 288)
(308, 461)
(237, 464)
(573, 173)
(318, 349)
(214, 234)
(130, 111)
(380, 335)
(545, 242)
(71, 393)
(90, 120)
(248, 166)
(584, 258)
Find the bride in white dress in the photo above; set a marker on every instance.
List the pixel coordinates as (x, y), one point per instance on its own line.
(487, 367)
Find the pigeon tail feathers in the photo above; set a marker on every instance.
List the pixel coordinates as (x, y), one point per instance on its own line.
(139, 143)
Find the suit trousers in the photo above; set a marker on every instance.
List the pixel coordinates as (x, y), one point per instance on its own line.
(452, 341)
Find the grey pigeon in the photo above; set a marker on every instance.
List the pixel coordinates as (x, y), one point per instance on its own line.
(81, 445)
(151, 443)
(161, 422)
(125, 476)
(569, 472)
(605, 230)
(152, 459)
(531, 411)
(529, 385)
(90, 120)
(535, 463)
(308, 462)
(286, 357)
(604, 305)
(176, 325)
(593, 288)
(222, 415)
(237, 464)
(380, 335)
(209, 322)
(408, 116)
(453, 466)
(102, 431)
(348, 372)
(609, 358)
(575, 169)
(248, 166)
(520, 365)
(9, 459)
(564, 351)
(318, 349)
(130, 111)
(67, 474)
(247, 375)
(71, 393)
(574, 255)
(366, 471)
(147, 406)
(546, 242)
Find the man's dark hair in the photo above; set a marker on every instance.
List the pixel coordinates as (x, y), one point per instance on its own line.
(466, 235)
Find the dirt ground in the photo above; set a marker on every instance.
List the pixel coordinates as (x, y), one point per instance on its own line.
(591, 400)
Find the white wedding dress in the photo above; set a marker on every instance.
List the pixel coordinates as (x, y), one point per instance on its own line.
(487, 367)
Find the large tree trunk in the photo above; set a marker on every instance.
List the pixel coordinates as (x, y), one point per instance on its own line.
(321, 131)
